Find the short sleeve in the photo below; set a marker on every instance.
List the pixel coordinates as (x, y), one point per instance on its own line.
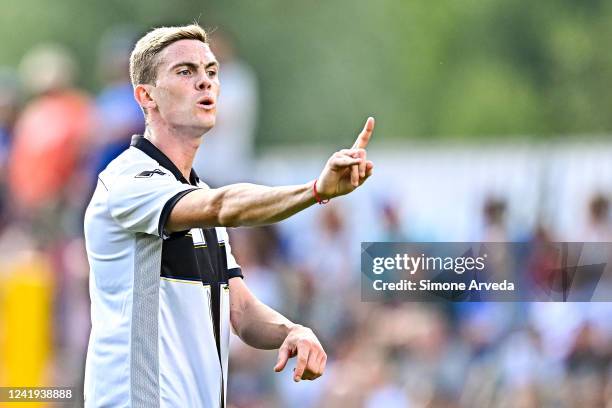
(233, 269)
(143, 202)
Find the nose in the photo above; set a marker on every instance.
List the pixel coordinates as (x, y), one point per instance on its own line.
(204, 82)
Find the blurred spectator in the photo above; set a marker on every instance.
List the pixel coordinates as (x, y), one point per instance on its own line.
(391, 222)
(118, 115)
(588, 364)
(226, 153)
(494, 217)
(501, 262)
(331, 269)
(52, 132)
(541, 269)
(331, 264)
(258, 253)
(599, 228)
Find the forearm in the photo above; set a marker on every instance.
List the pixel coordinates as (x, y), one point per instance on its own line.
(250, 204)
(239, 205)
(260, 326)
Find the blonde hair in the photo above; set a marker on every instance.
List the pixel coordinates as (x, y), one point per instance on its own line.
(144, 61)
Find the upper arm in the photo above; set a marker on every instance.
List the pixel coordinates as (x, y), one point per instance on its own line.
(198, 209)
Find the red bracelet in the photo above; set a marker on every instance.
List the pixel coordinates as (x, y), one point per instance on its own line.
(316, 194)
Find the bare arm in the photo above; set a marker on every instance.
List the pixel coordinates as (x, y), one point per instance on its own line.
(262, 327)
(257, 324)
(239, 205)
(250, 204)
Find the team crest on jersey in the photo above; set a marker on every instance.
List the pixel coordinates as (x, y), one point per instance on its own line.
(150, 173)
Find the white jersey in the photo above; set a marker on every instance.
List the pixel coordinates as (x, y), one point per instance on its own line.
(159, 301)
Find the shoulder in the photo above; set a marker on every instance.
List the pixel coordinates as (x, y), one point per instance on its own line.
(133, 165)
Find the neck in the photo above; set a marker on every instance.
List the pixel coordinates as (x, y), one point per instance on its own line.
(180, 147)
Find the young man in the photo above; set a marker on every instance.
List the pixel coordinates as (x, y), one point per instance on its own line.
(164, 285)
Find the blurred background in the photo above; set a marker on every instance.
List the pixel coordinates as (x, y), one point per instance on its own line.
(493, 124)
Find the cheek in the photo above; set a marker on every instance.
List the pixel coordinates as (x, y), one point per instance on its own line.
(173, 97)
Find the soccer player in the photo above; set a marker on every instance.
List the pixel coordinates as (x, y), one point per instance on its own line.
(164, 285)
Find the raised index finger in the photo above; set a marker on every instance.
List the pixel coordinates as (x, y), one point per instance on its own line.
(364, 137)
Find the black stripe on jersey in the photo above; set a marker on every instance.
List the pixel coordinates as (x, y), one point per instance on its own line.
(181, 259)
(165, 214)
(234, 273)
(218, 265)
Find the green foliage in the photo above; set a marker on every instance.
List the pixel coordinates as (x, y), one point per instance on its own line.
(445, 69)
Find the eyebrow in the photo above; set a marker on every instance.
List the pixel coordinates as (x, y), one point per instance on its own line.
(193, 65)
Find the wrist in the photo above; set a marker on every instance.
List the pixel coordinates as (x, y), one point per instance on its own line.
(319, 197)
(293, 327)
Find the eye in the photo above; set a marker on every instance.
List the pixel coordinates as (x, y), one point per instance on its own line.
(184, 72)
(212, 73)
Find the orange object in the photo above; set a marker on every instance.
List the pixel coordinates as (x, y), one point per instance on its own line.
(49, 138)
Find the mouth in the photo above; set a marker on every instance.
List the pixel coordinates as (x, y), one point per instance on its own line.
(207, 103)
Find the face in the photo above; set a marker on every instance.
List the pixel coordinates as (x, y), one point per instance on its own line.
(187, 87)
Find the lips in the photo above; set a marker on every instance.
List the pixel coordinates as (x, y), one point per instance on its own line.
(207, 102)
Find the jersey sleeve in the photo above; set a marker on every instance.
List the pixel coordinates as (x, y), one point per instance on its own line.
(142, 202)
(233, 269)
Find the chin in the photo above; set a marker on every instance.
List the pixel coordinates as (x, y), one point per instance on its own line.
(197, 128)
(207, 120)
(209, 124)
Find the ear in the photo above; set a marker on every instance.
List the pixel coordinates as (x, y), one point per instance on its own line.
(142, 94)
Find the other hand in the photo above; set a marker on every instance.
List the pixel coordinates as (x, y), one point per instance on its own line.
(311, 357)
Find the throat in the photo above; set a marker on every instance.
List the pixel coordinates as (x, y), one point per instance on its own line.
(180, 149)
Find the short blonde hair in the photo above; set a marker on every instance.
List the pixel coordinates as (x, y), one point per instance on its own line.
(144, 61)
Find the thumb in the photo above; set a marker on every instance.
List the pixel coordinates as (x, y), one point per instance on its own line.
(283, 357)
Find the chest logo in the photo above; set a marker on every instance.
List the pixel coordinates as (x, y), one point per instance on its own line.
(150, 173)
